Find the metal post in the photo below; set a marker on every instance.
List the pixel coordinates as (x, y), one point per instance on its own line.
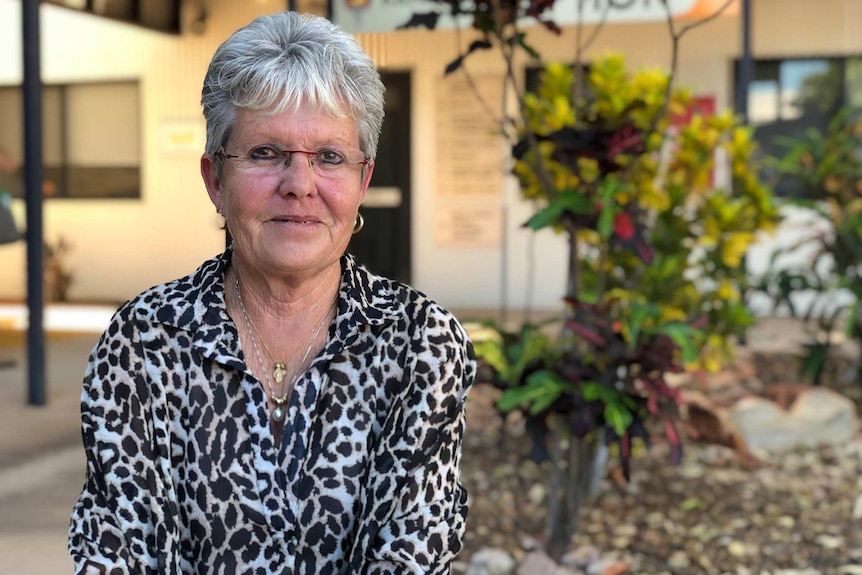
(32, 92)
(745, 63)
(742, 86)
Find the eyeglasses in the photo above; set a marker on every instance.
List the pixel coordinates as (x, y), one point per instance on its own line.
(268, 160)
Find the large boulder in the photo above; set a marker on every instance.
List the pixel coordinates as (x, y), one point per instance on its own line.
(791, 415)
(491, 561)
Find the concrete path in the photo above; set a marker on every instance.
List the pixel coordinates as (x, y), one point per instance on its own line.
(41, 458)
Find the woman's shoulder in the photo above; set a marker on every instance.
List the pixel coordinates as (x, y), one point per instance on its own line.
(405, 302)
(170, 301)
(382, 292)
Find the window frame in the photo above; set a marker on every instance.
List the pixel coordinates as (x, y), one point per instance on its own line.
(135, 14)
(70, 180)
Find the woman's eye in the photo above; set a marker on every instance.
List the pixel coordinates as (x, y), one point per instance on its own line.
(330, 157)
(264, 153)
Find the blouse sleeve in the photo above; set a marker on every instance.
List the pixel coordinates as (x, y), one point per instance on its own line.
(113, 526)
(425, 530)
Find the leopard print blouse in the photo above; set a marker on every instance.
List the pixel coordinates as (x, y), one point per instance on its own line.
(184, 476)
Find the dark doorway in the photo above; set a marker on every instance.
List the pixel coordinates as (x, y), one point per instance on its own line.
(383, 246)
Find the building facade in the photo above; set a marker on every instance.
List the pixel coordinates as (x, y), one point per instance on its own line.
(444, 214)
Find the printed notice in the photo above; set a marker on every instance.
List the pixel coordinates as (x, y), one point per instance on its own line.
(470, 158)
(180, 137)
(469, 224)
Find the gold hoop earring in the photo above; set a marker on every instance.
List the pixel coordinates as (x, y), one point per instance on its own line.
(360, 223)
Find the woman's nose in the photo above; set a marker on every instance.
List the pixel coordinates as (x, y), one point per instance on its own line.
(298, 176)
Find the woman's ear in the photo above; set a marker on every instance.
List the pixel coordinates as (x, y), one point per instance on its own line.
(366, 180)
(212, 181)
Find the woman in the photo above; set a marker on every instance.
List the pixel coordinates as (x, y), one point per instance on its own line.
(281, 409)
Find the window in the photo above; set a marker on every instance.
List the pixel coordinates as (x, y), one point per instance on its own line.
(786, 97)
(90, 140)
(161, 15)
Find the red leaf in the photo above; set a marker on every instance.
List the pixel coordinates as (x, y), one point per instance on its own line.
(586, 333)
(652, 403)
(624, 227)
(626, 455)
(673, 438)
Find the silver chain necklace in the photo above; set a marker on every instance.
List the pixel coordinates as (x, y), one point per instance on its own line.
(279, 368)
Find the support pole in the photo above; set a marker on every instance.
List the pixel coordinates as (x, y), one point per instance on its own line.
(745, 63)
(32, 96)
(742, 84)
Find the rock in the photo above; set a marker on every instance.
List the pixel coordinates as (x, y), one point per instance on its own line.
(537, 563)
(857, 508)
(529, 543)
(815, 416)
(708, 422)
(679, 560)
(491, 561)
(737, 549)
(608, 567)
(581, 557)
(537, 494)
(616, 568)
(830, 542)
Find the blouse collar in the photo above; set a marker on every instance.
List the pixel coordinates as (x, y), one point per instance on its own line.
(196, 304)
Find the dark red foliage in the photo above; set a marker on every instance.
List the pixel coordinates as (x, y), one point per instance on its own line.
(624, 227)
(630, 234)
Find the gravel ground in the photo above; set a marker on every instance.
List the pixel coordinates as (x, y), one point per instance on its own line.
(799, 512)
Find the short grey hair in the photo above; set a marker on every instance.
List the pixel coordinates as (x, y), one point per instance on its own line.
(282, 60)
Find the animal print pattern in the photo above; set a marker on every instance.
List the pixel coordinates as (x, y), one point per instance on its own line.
(183, 474)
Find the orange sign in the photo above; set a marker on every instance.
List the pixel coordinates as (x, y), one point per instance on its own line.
(706, 8)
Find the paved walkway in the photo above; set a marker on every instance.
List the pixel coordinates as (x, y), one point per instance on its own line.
(41, 460)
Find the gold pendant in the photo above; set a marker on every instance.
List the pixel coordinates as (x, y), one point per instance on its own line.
(279, 372)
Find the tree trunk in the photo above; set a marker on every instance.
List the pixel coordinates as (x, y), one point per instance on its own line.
(573, 467)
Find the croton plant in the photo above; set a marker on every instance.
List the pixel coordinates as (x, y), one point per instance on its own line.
(616, 162)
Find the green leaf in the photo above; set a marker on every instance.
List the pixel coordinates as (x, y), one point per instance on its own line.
(609, 187)
(534, 348)
(814, 360)
(685, 336)
(605, 226)
(547, 216)
(521, 41)
(619, 407)
(619, 417)
(542, 388)
(850, 326)
(640, 313)
(491, 352)
(568, 201)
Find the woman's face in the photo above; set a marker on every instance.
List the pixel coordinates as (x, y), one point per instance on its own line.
(289, 218)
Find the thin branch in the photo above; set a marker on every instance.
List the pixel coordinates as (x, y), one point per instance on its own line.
(677, 36)
(703, 21)
(582, 47)
(508, 50)
(472, 84)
